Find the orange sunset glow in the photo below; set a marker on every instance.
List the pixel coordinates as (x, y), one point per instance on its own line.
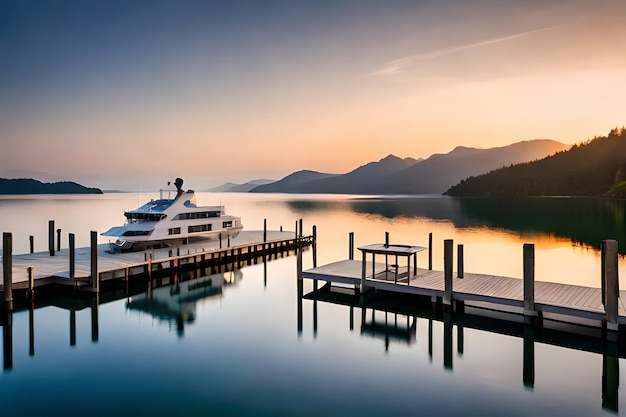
(122, 95)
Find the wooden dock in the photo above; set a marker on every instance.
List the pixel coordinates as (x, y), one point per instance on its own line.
(525, 296)
(247, 247)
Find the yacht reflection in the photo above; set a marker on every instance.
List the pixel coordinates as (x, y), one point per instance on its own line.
(175, 303)
(393, 318)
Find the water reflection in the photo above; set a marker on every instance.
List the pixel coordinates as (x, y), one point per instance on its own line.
(172, 299)
(176, 302)
(585, 221)
(393, 319)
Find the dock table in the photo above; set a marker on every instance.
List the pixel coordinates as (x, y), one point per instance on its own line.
(395, 250)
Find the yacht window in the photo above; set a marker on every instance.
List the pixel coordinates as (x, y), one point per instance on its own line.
(199, 228)
(174, 231)
(227, 224)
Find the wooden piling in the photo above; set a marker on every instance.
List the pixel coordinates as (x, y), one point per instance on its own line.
(58, 240)
(459, 261)
(7, 269)
(31, 282)
(351, 246)
(314, 246)
(51, 237)
(31, 240)
(430, 251)
(448, 247)
(529, 280)
(386, 239)
(95, 281)
(610, 283)
(264, 230)
(72, 244)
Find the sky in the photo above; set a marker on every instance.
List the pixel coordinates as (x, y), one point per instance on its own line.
(132, 94)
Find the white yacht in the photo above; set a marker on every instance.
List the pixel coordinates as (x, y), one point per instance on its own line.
(169, 221)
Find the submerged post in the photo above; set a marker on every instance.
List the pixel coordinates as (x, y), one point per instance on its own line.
(448, 246)
(430, 251)
(51, 237)
(351, 246)
(459, 261)
(610, 283)
(31, 240)
(7, 269)
(529, 279)
(72, 245)
(95, 282)
(58, 240)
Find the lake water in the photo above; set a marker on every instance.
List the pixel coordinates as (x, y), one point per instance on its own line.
(243, 349)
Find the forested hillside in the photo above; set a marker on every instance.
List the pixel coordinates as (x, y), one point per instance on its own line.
(31, 186)
(594, 168)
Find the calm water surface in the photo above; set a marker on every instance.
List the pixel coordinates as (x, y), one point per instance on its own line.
(240, 348)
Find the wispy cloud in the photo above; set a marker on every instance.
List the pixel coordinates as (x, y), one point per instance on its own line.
(400, 65)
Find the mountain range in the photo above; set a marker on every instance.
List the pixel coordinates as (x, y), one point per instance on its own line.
(593, 169)
(394, 175)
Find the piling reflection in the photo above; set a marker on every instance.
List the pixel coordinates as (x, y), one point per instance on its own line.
(394, 318)
(7, 340)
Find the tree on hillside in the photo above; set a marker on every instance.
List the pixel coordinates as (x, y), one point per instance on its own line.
(593, 168)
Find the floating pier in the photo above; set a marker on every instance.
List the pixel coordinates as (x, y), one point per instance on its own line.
(525, 296)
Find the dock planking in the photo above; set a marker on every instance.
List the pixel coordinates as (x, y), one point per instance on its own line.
(56, 269)
(572, 300)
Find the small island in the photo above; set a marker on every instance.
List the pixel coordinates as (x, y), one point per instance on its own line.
(31, 186)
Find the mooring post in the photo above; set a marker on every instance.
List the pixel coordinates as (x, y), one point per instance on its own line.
(95, 281)
(31, 240)
(529, 280)
(264, 232)
(299, 252)
(386, 239)
(72, 243)
(314, 246)
(459, 261)
(430, 251)
(610, 283)
(220, 240)
(448, 261)
(58, 240)
(51, 237)
(31, 282)
(7, 269)
(351, 246)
